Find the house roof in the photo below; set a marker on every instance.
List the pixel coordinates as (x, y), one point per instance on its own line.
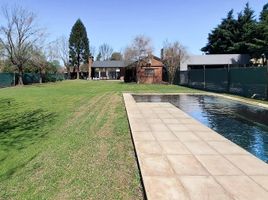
(215, 59)
(155, 62)
(123, 63)
(110, 63)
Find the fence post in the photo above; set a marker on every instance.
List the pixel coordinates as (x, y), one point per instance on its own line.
(204, 76)
(266, 81)
(14, 78)
(187, 75)
(228, 78)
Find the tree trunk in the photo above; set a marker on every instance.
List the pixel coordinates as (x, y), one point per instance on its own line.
(69, 73)
(78, 65)
(77, 76)
(89, 70)
(171, 77)
(20, 81)
(40, 77)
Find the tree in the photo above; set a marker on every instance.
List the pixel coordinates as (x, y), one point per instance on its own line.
(140, 47)
(78, 46)
(38, 60)
(92, 50)
(1, 51)
(173, 55)
(129, 54)
(98, 57)
(246, 32)
(18, 36)
(234, 35)
(116, 56)
(7, 66)
(262, 48)
(105, 51)
(222, 37)
(1, 57)
(53, 66)
(59, 49)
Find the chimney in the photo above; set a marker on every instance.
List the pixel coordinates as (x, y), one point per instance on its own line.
(162, 54)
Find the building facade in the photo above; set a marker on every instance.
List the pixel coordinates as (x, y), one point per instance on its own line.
(108, 70)
(148, 70)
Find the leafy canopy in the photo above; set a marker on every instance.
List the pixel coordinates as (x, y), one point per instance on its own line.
(242, 35)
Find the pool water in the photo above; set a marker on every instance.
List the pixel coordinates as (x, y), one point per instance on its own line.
(244, 124)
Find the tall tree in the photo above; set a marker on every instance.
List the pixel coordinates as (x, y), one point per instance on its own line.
(19, 36)
(78, 46)
(105, 51)
(173, 55)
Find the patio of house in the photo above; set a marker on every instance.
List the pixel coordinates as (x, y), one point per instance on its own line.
(180, 158)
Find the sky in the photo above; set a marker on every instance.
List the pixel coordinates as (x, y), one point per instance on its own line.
(117, 22)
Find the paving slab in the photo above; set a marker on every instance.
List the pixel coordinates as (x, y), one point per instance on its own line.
(242, 187)
(164, 188)
(218, 165)
(173, 148)
(180, 158)
(204, 187)
(261, 180)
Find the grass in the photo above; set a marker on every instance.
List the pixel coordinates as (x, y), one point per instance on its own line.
(69, 140)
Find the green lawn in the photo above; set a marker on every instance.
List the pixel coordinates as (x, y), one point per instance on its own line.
(69, 140)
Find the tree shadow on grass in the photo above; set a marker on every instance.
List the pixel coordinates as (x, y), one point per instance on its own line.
(8, 173)
(20, 129)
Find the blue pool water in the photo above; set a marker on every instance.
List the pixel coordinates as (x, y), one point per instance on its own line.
(244, 124)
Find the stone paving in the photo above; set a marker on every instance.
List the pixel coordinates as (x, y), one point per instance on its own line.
(180, 158)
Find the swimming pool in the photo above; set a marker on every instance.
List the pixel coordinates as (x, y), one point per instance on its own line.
(243, 124)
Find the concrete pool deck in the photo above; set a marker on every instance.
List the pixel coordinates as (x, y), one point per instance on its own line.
(180, 158)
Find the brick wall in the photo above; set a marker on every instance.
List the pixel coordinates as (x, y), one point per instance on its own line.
(143, 77)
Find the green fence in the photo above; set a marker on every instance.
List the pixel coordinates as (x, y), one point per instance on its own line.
(11, 79)
(30, 78)
(7, 79)
(196, 78)
(249, 82)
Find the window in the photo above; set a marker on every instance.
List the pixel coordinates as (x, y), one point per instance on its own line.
(149, 72)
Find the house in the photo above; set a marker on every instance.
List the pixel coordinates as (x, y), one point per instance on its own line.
(109, 70)
(147, 70)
